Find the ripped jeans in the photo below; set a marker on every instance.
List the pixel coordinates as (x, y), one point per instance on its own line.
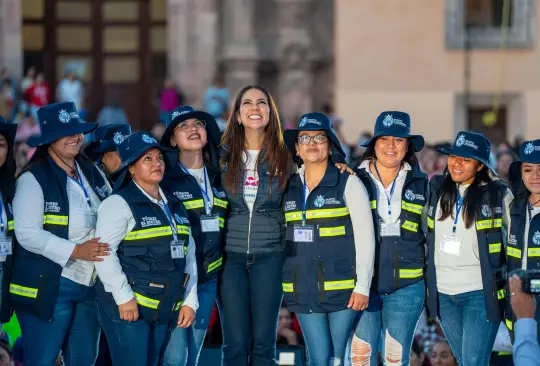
(391, 318)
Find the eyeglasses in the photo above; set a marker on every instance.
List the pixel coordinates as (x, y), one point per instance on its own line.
(317, 139)
(186, 126)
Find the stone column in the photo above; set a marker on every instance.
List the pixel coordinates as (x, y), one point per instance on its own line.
(206, 36)
(240, 53)
(295, 62)
(11, 54)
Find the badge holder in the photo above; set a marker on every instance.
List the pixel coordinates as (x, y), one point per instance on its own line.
(177, 249)
(304, 233)
(390, 228)
(6, 245)
(209, 223)
(90, 218)
(451, 245)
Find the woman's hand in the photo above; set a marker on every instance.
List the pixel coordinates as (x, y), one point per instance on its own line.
(129, 311)
(186, 317)
(358, 302)
(90, 250)
(345, 168)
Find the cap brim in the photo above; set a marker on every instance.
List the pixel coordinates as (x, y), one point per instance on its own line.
(417, 141)
(9, 131)
(70, 130)
(212, 128)
(290, 138)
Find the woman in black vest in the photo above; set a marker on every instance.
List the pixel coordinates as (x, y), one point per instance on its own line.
(7, 190)
(55, 248)
(102, 149)
(523, 245)
(468, 209)
(329, 250)
(398, 190)
(195, 180)
(140, 291)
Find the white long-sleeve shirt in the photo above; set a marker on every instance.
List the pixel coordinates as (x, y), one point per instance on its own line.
(115, 221)
(28, 209)
(4, 220)
(357, 201)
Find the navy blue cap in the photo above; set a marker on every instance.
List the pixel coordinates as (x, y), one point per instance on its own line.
(529, 152)
(315, 121)
(105, 139)
(471, 145)
(187, 112)
(59, 120)
(396, 124)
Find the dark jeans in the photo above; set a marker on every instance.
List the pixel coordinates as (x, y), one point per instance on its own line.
(250, 299)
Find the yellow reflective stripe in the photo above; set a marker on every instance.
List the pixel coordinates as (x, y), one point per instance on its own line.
(488, 224)
(220, 203)
(182, 229)
(146, 301)
(149, 233)
(411, 226)
(411, 273)
(287, 287)
(55, 220)
(513, 252)
(338, 285)
(332, 231)
(177, 306)
(430, 223)
(501, 294)
(11, 225)
(533, 252)
(23, 291)
(373, 204)
(417, 209)
(221, 222)
(504, 354)
(495, 248)
(215, 265)
(317, 214)
(509, 324)
(193, 204)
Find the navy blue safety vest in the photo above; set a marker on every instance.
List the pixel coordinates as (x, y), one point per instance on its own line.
(516, 245)
(209, 245)
(319, 276)
(399, 260)
(5, 311)
(35, 279)
(145, 256)
(488, 223)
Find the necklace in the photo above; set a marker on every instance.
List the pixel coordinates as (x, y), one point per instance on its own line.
(72, 169)
(533, 203)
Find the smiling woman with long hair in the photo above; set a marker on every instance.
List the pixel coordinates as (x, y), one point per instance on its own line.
(256, 167)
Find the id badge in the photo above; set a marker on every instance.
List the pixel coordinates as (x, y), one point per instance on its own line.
(390, 228)
(90, 219)
(177, 249)
(303, 233)
(5, 246)
(209, 223)
(451, 245)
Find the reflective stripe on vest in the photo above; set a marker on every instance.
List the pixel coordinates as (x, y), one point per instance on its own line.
(215, 265)
(177, 306)
(220, 203)
(221, 222)
(495, 248)
(431, 223)
(194, 204)
(288, 287)
(411, 226)
(55, 220)
(373, 204)
(509, 324)
(332, 231)
(155, 232)
(11, 225)
(317, 214)
(411, 207)
(338, 285)
(23, 291)
(146, 301)
(488, 224)
(411, 273)
(533, 252)
(513, 252)
(501, 294)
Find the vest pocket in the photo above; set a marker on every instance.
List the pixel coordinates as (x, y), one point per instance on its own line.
(335, 284)
(290, 283)
(150, 296)
(408, 267)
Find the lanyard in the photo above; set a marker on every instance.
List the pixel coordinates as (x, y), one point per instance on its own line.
(79, 182)
(388, 197)
(459, 205)
(171, 221)
(1, 216)
(530, 209)
(203, 191)
(304, 203)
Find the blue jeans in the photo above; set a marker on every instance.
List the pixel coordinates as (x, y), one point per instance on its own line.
(390, 318)
(250, 296)
(326, 336)
(185, 344)
(464, 322)
(137, 343)
(73, 329)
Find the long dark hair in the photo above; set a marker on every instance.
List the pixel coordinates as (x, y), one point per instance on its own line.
(449, 190)
(410, 155)
(274, 152)
(7, 171)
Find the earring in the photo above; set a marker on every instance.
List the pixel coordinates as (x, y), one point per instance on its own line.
(297, 154)
(239, 122)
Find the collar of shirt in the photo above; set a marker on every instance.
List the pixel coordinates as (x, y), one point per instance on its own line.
(401, 176)
(163, 198)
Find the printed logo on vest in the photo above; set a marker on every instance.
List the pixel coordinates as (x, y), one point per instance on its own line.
(102, 191)
(332, 201)
(410, 195)
(319, 201)
(180, 220)
(486, 211)
(52, 207)
(183, 195)
(512, 240)
(536, 238)
(290, 205)
(150, 221)
(10, 208)
(219, 194)
(497, 210)
(430, 212)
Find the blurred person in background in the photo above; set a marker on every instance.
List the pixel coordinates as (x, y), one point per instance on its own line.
(504, 159)
(6, 357)
(217, 97)
(38, 94)
(418, 357)
(286, 335)
(27, 127)
(337, 124)
(158, 129)
(441, 355)
(28, 79)
(170, 98)
(7, 100)
(112, 113)
(70, 89)
(428, 158)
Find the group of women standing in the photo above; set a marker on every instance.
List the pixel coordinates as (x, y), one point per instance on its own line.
(139, 238)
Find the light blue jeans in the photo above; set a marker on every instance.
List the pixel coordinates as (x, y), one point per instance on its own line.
(326, 336)
(464, 322)
(390, 319)
(185, 344)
